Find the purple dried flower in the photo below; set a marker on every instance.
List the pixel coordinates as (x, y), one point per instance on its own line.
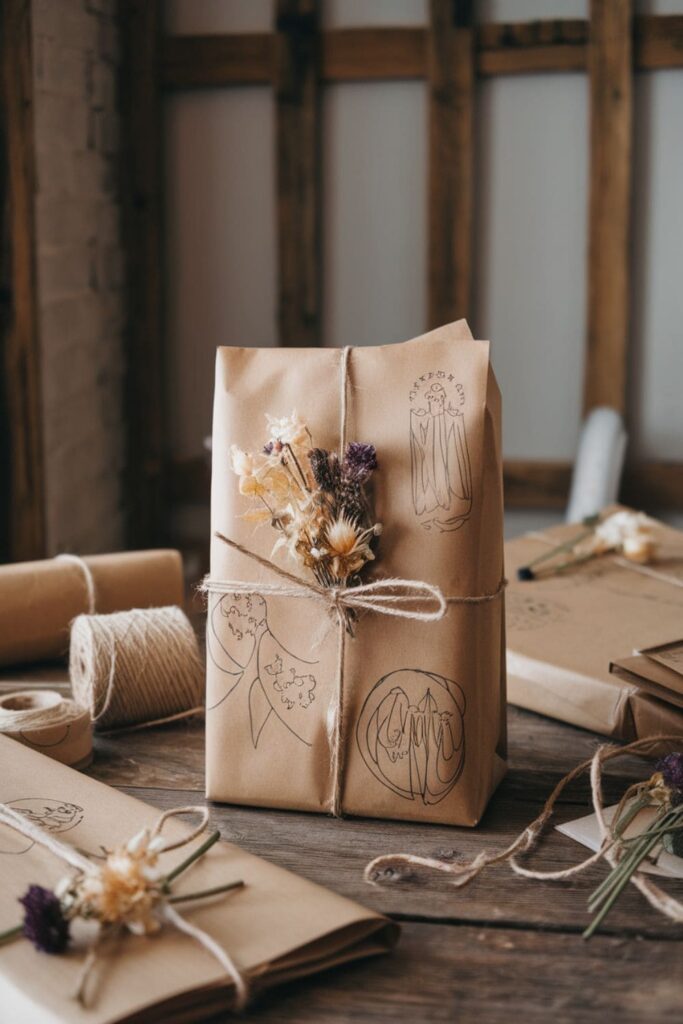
(44, 922)
(671, 768)
(325, 468)
(360, 460)
(268, 448)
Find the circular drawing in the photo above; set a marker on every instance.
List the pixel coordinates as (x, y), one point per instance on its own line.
(411, 734)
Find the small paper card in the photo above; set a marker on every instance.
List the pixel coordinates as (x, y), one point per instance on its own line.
(587, 832)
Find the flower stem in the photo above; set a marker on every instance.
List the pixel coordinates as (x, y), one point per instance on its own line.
(567, 545)
(11, 933)
(620, 886)
(202, 894)
(195, 855)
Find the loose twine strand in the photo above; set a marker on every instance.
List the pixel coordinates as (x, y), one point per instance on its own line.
(71, 856)
(400, 598)
(390, 866)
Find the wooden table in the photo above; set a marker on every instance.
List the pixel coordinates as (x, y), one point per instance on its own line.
(502, 949)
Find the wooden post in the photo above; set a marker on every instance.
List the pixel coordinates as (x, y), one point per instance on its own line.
(296, 83)
(142, 220)
(22, 503)
(610, 69)
(450, 68)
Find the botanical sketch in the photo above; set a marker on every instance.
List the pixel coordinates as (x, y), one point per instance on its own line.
(440, 460)
(411, 734)
(52, 815)
(280, 684)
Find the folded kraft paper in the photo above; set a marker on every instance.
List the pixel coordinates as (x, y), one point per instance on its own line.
(406, 717)
(277, 926)
(564, 630)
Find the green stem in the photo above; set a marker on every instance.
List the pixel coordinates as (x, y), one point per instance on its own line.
(665, 830)
(625, 863)
(565, 546)
(195, 855)
(615, 893)
(204, 893)
(11, 933)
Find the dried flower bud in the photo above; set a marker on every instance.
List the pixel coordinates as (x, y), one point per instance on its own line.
(671, 768)
(44, 922)
(360, 460)
(325, 470)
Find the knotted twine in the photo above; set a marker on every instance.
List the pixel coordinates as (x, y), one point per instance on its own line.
(17, 821)
(389, 866)
(400, 598)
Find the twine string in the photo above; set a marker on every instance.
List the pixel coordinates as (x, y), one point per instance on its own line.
(391, 866)
(71, 856)
(88, 578)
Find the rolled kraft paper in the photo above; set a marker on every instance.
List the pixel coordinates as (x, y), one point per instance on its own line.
(49, 723)
(38, 600)
(137, 667)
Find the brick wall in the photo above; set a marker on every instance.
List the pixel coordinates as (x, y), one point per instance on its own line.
(80, 270)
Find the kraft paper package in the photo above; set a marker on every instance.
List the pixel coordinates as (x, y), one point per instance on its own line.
(565, 630)
(38, 600)
(656, 670)
(277, 927)
(423, 703)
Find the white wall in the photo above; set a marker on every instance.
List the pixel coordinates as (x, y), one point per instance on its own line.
(530, 227)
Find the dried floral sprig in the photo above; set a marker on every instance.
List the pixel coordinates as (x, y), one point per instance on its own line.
(126, 889)
(628, 533)
(662, 791)
(315, 501)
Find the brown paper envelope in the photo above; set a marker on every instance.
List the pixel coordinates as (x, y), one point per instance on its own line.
(261, 750)
(279, 926)
(564, 630)
(38, 600)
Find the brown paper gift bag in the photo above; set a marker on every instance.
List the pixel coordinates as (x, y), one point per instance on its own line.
(422, 719)
(278, 927)
(564, 630)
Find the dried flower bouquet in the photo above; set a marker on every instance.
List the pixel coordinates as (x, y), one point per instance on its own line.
(316, 501)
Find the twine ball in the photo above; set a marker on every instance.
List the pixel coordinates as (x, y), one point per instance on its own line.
(135, 667)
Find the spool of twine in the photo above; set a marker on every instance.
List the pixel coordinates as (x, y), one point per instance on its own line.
(136, 668)
(50, 723)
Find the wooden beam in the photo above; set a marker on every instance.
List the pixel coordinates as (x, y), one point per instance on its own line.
(450, 63)
(611, 115)
(296, 81)
(371, 54)
(653, 485)
(142, 224)
(535, 484)
(22, 471)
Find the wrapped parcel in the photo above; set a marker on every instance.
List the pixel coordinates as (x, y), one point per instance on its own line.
(420, 704)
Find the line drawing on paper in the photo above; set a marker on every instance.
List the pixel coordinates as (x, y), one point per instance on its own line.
(54, 816)
(441, 471)
(525, 612)
(283, 686)
(411, 734)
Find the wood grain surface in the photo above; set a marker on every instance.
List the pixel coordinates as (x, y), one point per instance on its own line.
(499, 949)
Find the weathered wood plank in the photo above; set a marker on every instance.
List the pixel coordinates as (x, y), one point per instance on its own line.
(450, 63)
(296, 79)
(141, 169)
(188, 62)
(611, 113)
(355, 54)
(479, 975)
(22, 502)
(334, 853)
